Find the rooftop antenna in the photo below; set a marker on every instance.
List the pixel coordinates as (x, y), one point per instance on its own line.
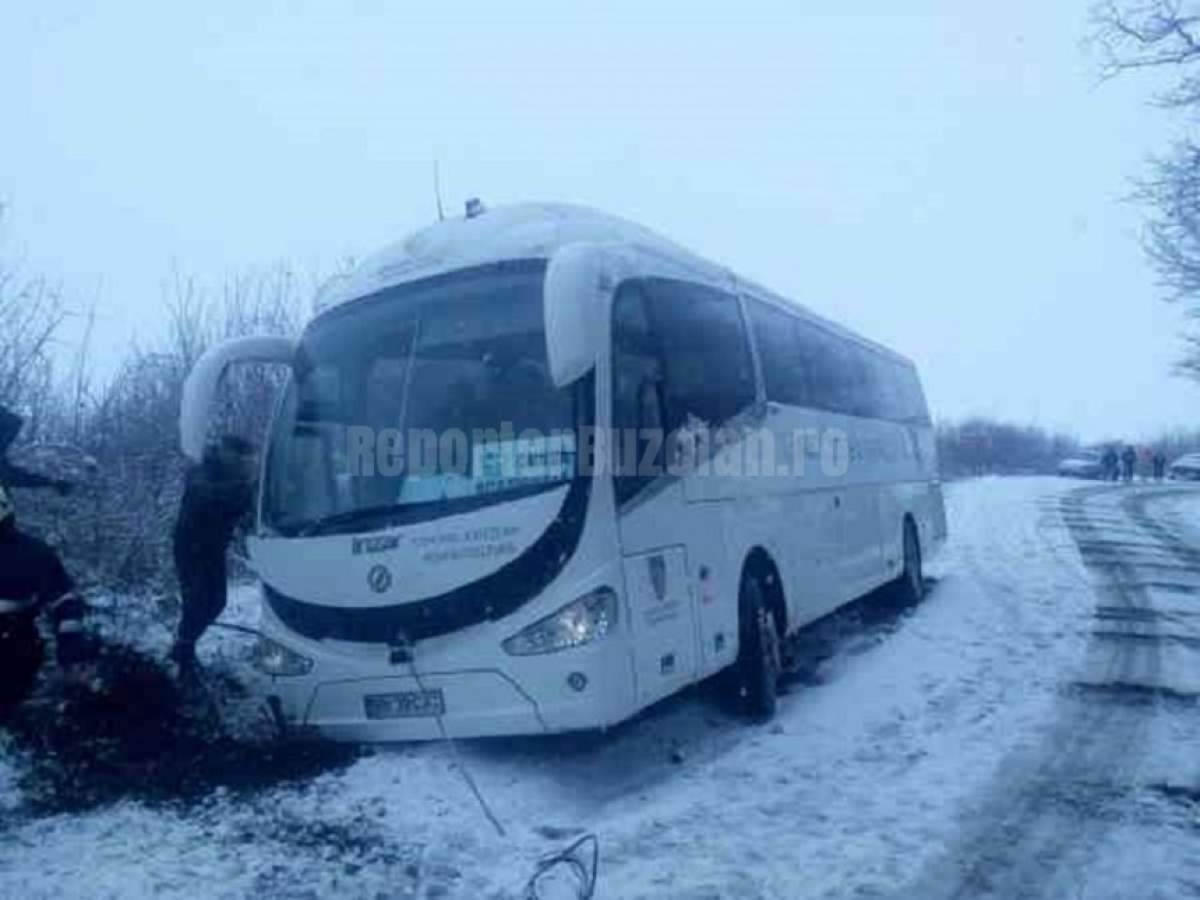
(437, 191)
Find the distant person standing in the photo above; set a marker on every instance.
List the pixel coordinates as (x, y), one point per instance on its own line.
(1128, 462)
(1108, 463)
(218, 493)
(1160, 465)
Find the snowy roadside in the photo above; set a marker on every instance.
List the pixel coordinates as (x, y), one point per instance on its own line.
(874, 767)
(1186, 511)
(866, 775)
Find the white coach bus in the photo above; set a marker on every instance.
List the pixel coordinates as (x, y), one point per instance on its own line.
(647, 471)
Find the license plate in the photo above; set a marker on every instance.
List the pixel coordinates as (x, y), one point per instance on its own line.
(405, 704)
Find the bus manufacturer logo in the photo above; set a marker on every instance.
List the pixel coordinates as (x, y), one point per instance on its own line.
(379, 578)
(361, 545)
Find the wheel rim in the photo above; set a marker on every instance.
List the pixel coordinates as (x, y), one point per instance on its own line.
(769, 638)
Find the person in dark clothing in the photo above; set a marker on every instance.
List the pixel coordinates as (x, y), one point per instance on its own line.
(32, 580)
(1108, 463)
(1160, 465)
(218, 493)
(14, 476)
(1128, 461)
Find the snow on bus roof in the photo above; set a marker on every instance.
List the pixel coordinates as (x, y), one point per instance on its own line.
(524, 231)
(530, 231)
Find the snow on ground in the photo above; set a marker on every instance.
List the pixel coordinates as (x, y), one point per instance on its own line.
(1187, 512)
(10, 767)
(882, 752)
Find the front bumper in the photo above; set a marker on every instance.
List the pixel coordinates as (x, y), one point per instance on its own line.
(477, 703)
(590, 687)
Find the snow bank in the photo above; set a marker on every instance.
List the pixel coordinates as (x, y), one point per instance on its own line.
(1187, 511)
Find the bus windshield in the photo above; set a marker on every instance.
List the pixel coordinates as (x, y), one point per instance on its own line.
(425, 400)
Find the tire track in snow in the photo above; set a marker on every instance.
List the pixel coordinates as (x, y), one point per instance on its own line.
(1049, 804)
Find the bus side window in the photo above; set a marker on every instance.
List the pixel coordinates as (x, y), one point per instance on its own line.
(785, 369)
(706, 354)
(916, 410)
(829, 372)
(891, 388)
(636, 393)
(863, 387)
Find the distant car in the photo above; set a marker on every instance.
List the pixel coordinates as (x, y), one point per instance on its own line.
(1186, 468)
(1083, 464)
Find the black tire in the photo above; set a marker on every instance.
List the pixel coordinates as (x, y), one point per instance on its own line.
(21, 656)
(909, 588)
(754, 677)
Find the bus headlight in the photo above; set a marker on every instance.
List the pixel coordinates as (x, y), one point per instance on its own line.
(587, 619)
(272, 658)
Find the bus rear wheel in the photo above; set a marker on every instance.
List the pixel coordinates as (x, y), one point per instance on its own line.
(909, 588)
(754, 677)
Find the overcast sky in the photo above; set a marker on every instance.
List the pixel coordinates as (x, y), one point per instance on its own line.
(946, 181)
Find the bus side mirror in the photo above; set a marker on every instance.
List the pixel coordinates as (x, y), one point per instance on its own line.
(576, 295)
(200, 388)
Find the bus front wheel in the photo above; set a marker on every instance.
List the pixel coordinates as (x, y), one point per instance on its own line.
(754, 677)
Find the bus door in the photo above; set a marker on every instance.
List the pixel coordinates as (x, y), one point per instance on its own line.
(654, 521)
(664, 630)
(708, 396)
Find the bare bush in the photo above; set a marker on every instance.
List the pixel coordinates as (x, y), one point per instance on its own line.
(980, 446)
(32, 312)
(115, 530)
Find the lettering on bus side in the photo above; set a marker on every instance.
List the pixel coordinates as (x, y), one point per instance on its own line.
(481, 542)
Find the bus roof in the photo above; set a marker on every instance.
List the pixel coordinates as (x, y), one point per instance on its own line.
(524, 231)
(532, 231)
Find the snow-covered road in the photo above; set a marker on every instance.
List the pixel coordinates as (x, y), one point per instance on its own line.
(1029, 730)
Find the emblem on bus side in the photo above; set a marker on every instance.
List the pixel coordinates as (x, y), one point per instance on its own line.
(658, 575)
(379, 578)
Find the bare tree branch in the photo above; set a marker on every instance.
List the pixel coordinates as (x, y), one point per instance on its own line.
(1164, 34)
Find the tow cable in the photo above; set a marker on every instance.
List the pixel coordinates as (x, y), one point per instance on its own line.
(403, 652)
(579, 862)
(554, 871)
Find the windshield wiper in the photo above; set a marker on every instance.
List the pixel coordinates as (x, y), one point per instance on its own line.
(326, 524)
(398, 513)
